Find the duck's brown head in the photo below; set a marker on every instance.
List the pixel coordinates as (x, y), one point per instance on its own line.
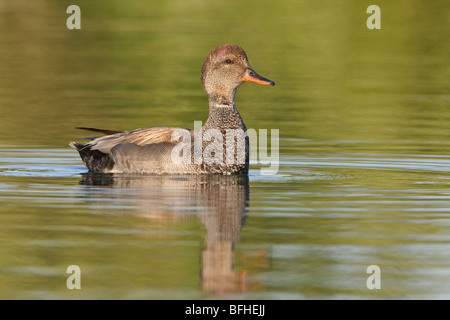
(226, 68)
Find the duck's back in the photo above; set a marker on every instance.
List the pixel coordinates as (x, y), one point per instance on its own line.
(141, 150)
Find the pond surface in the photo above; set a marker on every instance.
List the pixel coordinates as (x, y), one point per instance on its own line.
(364, 152)
(310, 231)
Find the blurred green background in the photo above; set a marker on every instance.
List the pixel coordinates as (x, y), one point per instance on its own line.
(137, 64)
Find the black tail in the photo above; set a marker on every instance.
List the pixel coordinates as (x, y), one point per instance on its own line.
(94, 160)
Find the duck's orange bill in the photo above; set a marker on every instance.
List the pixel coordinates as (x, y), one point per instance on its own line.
(252, 76)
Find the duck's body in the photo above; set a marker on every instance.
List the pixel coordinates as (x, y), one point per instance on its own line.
(158, 149)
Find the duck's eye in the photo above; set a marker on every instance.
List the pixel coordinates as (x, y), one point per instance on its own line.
(228, 61)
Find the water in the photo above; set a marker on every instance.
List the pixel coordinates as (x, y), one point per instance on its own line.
(364, 166)
(308, 232)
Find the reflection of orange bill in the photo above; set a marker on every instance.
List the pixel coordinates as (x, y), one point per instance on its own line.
(252, 76)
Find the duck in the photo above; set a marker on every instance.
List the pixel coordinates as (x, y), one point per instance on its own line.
(220, 146)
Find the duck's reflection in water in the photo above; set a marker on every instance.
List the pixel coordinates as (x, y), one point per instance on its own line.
(219, 201)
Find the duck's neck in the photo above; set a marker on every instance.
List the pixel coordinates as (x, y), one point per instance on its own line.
(223, 115)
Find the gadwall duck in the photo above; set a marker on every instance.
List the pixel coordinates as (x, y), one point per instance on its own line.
(220, 146)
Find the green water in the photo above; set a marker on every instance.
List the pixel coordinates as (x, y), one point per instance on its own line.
(364, 162)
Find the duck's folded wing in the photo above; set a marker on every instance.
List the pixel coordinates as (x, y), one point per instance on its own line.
(139, 137)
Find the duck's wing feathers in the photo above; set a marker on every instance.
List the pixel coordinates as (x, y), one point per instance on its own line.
(104, 131)
(139, 137)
